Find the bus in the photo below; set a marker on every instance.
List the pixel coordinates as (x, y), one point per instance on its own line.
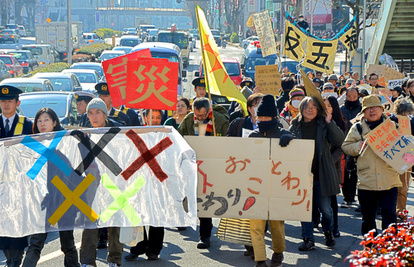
(165, 50)
(181, 39)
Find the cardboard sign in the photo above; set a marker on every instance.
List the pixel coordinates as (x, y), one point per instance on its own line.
(387, 103)
(245, 180)
(404, 125)
(115, 70)
(153, 84)
(386, 72)
(268, 79)
(395, 149)
(394, 83)
(265, 33)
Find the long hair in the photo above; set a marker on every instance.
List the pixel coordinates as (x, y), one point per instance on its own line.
(52, 115)
(336, 112)
(304, 104)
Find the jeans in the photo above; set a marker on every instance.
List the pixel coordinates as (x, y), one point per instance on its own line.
(13, 257)
(369, 200)
(324, 205)
(37, 242)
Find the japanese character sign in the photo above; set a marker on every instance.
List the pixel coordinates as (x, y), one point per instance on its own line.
(268, 79)
(245, 181)
(265, 33)
(349, 38)
(389, 144)
(153, 84)
(320, 55)
(116, 74)
(294, 39)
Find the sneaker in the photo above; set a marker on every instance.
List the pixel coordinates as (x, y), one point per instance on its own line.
(203, 243)
(329, 239)
(277, 259)
(131, 256)
(307, 245)
(152, 257)
(261, 264)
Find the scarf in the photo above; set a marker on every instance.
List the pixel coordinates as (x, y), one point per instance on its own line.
(207, 121)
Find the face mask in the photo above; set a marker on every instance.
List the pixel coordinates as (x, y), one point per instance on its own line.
(265, 126)
(295, 103)
(255, 111)
(301, 19)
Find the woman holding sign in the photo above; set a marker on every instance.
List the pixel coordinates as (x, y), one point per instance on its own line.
(378, 182)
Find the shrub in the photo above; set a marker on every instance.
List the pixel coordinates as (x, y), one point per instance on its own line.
(234, 38)
(55, 67)
(95, 49)
(107, 33)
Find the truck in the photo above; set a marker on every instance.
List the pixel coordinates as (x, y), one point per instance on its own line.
(55, 34)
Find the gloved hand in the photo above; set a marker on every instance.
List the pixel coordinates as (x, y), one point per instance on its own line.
(285, 140)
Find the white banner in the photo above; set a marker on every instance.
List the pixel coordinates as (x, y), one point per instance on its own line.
(96, 178)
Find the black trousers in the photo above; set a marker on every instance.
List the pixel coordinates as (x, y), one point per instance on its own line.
(152, 243)
(206, 225)
(349, 186)
(369, 201)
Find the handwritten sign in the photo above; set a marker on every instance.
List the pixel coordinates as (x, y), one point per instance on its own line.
(404, 125)
(386, 72)
(265, 33)
(394, 83)
(389, 144)
(268, 79)
(253, 185)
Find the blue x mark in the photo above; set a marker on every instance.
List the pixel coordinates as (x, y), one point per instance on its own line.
(46, 153)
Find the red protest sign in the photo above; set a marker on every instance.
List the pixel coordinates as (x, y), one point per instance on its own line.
(116, 74)
(152, 84)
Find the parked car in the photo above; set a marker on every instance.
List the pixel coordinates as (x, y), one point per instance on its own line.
(9, 35)
(89, 66)
(61, 81)
(126, 49)
(92, 38)
(28, 85)
(232, 66)
(217, 36)
(41, 52)
(12, 26)
(4, 71)
(108, 54)
(87, 78)
(129, 41)
(63, 103)
(25, 59)
(22, 30)
(249, 40)
(13, 64)
(129, 31)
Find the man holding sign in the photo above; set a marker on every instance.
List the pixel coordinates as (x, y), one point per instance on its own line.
(378, 181)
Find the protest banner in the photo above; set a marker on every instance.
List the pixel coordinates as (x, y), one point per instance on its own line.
(395, 149)
(394, 83)
(404, 125)
(268, 79)
(293, 43)
(320, 55)
(246, 180)
(386, 103)
(115, 70)
(265, 33)
(95, 178)
(153, 84)
(349, 37)
(386, 72)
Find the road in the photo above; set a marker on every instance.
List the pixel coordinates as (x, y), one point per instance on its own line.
(180, 247)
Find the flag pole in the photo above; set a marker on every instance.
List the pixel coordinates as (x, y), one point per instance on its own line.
(205, 69)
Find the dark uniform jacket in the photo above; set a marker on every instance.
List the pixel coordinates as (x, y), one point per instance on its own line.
(118, 115)
(133, 116)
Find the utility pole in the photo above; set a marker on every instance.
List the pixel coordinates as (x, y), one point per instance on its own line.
(70, 39)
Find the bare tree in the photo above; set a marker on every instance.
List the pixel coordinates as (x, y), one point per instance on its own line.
(5, 11)
(233, 9)
(204, 5)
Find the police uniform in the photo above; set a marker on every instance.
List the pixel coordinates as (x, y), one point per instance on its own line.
(199, 82)
(85, 96)
(116, 114)
(247, 83)
(13, 248)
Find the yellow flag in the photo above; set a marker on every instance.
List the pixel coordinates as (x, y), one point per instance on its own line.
(320, 55)
(350, 40)
(293, 45)
(218, 81)
(311, 89)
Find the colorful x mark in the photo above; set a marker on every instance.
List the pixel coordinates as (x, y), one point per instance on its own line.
(147, 156)
(72, 198)
(96, 151)
(46, 153)
(121, 199)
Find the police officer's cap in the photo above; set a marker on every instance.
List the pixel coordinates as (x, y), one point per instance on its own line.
(199, 82)
(102, 88)
(247, 83)
(79, 96)
(8, 92)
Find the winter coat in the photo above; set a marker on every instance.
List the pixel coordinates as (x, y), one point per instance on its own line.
(327, 135)
(373, 172)
(234, 130)
(349, 114)
(276, 132)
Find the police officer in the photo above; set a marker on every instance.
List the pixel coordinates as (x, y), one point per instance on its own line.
(11, 125)
(103, 93)
(133, 116)
(200, 89)
(82, 100)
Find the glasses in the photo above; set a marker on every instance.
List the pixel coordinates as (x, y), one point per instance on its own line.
(311, 108)
(374, 108)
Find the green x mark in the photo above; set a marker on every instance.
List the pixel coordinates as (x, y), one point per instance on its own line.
(121, 199)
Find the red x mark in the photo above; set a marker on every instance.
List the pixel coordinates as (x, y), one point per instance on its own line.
(147, 156)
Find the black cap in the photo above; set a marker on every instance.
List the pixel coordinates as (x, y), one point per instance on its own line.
(102, 88)
(247, 83)
(363, 92)
(316, 80)
(397, 88)
(8, 92)
(267, 107)
(199, 82)
(79, 96)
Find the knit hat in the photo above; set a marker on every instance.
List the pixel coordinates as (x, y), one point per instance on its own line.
(370, 101)
(296, 92)
(267, 107)
(97, 103)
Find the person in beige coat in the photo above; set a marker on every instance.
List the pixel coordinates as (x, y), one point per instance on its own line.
(378, 182)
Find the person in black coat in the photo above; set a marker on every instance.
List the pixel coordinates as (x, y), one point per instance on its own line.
(287, 84)
(11, 125)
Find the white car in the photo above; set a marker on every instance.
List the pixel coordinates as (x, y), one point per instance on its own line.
(88, 78)
(109, 54)
(246, 42)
